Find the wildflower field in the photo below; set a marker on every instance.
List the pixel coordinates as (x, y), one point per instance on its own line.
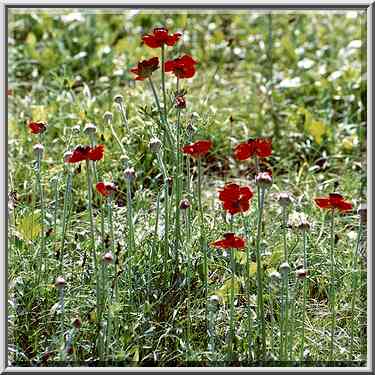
(187, 188)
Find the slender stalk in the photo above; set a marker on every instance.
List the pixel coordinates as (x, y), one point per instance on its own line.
(284, 314)
(166, 213)
(123, 116)
(92, 236)
(248, 294)
(62, 314)
(131, 242)
(332, 288)
(354, 289)
(261, 323)
(163, 81)
(304, 295)
(203, 235)
(42, 208)
(231, 311)
(188, 251)
(67, 193)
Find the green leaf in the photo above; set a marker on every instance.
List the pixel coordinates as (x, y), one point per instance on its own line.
(224, 291)
(29, 227)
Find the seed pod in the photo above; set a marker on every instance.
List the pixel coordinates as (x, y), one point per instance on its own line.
(76, 129)
(89, 129)
(275, 277)
(180, 101)
(301, 273)
(184, 204)
(119, 99)
(284, 268)
(60, 282)
(303, 224)
(362, 212)
(214, 299)
(108, 258)
(108, 117)
(38, 150)
(155, 144)
(263, 179)
(284, 199)
(129, 174)
(67, 156)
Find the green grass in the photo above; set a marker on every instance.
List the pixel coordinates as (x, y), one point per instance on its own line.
(67, 71)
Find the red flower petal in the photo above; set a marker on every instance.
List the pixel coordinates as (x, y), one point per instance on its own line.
(159, 37)
(101, 188)
(230, 241)
(37, 127)
(197, 149)
(96, 153)
(243, 151)
(263, 147)
(323, 202)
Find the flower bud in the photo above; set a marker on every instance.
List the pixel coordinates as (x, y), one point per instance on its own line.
(108, 117)
(180, 101)
(284, 268)
(362, 212)
(263, 179)
(284, 199)
(67, 156)
(119, 99)
(275, 277)
(129, 173)
(303, 224)
(184, 204)
(108, 258)
(75, 129)
(60, 282)
(214, 299)
(301, 273)
(155, 144)
(89, 129)
(76, 323)
(38, 150)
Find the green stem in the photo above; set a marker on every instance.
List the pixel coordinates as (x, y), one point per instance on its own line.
(231, 312)
(92, 235)
(188, 250)
(284, 314)
(163, 82)
(68, 188)
(354, 289)
(332, 288)
(261, 323)
(248, 293)
(304, 295)
(42, 208)
(131, 242)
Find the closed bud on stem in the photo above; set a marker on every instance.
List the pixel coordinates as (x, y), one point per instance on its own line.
(119, 99)
(284, 199)
(304, 224)
(76, 323)
(362, 212)
(214, 301)
(38, 150)
(263, 179)
(107, 258)
(155, 144)
(301, 273)
(129, 173)
(184, 204)
(190, 129)
(89, 129)
(284, 268)
(59, 282)
(108, 117)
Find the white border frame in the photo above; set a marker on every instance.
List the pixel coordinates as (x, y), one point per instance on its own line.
(4, 201)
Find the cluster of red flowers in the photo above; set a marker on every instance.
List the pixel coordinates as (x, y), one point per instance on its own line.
(334, 201)
(197, 149)
(81, 153)
(181, 67)
(260, 147)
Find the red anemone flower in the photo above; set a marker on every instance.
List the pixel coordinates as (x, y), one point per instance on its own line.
(261, 147)
(105, 188)
(161, 37)
(333, 201)
(197, 149)
(37, 127)
(182, 67)
(81, 153)
(145, 68)
(235, 198)
(230, 241)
